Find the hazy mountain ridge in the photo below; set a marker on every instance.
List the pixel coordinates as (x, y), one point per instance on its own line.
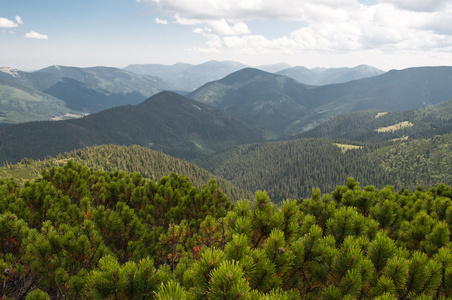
(324, 76)
(190, 77)
(86, 90)
(186, 76)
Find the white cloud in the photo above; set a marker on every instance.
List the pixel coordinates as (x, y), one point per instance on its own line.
(328, 26)
(6, 23)
(419, 5)
(160, 21)
(35, 35)
(222, 28)
(245, 9)
(19, 20)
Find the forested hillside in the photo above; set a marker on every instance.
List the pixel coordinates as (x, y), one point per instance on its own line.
(372, 126)
(78, 233)
(291, 169)
(167, 122)
(19, 104)
(149, 163)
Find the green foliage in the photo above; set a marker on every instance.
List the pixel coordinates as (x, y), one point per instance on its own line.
(170, 290)
(149, 163)
(76, 232)
(37, 295)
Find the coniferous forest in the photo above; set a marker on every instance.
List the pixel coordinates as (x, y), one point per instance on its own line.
(260, 187)
(77, 233)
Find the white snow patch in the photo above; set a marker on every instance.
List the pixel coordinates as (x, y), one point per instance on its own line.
(68, 116)
(196, 106)
(10, 71)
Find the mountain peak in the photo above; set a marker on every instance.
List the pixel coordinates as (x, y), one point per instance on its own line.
(245, 74)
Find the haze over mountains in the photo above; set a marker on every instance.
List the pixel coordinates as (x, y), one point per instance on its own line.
(190, 77)
(323, 76)
(67, 92)
(79, 90)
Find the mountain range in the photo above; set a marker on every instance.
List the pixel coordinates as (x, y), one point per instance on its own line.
(189, 77)
(83, 91)
(324, 76)
(284, 107)
(247, 106)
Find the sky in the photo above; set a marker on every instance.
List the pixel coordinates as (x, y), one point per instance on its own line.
(386, 34)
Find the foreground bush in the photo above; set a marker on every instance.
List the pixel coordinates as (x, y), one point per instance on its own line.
(76, 233)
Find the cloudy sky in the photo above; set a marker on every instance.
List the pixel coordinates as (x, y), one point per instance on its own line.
(387, 34)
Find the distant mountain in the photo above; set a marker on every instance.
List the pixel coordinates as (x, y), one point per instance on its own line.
(99, 88)
(323, 76)
(185, 76)
(264, 99)
(372, 126)
(19, 104)
(284, 107)
(32, 80)
(273, 68)
(89, 90)
(166, 122)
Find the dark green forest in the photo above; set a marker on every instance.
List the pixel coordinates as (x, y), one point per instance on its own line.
(150, 164)
(167, 122)
(288, 169)
(291, 169)
(76, 233)
(363, 126)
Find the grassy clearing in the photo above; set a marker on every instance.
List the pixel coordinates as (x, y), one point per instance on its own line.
(345, 147)
(381, 114)
(395, 127)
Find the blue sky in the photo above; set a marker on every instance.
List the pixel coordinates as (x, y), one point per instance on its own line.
(387, 34)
